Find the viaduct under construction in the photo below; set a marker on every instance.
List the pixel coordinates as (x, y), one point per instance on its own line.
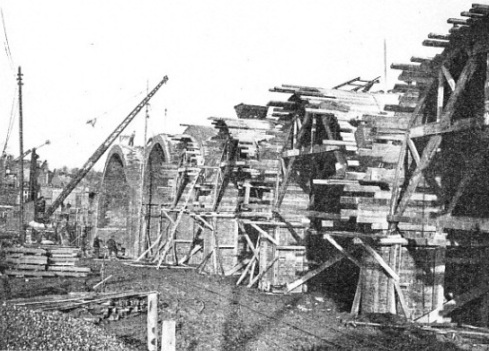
(394, 182)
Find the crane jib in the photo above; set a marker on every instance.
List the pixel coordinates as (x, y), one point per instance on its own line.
(100, 151)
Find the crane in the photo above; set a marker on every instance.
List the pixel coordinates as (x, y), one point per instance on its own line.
(47, 142)
(99, 152)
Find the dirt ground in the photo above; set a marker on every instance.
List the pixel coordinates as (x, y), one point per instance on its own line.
(213, 313)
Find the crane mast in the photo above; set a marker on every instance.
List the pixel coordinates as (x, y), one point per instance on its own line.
(99, 152)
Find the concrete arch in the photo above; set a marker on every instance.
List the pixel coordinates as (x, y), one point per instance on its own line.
(159, 155)
(120, 199)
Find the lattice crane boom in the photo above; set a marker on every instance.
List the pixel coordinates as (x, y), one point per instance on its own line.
(99, 152)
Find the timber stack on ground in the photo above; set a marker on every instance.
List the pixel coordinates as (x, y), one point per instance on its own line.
(44, 262)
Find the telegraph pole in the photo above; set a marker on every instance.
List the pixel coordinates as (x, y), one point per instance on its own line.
(21, 160)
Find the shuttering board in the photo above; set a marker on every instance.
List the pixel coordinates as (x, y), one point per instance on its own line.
(230, 245)
(421, 273)
(183, 237)
(290, 265)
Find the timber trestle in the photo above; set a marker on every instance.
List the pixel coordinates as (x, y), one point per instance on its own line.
(394, 182)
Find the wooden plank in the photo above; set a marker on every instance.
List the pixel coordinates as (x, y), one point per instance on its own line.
(341, 249)
(340, 158)
(391, 273)
(34, 251)
(35, 267)
(441, 93)
(448, 76)
(311, 274)
(262, 273)
(171, 236)
(168, 339)
(265, 234)
(300, 136)
(470, 171)
(16, 272)
(355, 307)
(42, 260)
(315, 149)
(428, 154)
(449, 306)
(442, 128)
(152, 322)
(69, 269)
(486, 92)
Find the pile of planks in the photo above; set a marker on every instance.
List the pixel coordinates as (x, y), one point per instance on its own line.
(53, 261)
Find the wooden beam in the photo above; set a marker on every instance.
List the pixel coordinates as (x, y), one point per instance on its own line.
(486, 93)
(202, 220)
(291, 229)
(457, 302)
(465, 76)
(391, 273)
(341, 249)
(311, 274)
(290, 166)
(440, 95)
(355, 307)
(443, 128)
(418, 111)
(262, 273)
(171, 236)
(264, 233)
(217, 249)
(414, 151)
(379, 259)
(340, 158)
(448, 76)
(397, 180)
(471, 171)
(315, 149)
(430, 149)
(428, 154)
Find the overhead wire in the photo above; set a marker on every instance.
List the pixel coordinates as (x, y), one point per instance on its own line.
(6, 44)
(11, 122)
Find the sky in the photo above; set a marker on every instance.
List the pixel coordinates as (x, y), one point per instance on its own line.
(95, 59)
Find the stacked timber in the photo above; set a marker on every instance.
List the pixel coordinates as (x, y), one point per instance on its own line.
(93, 307)
(254, 163)
(44, 262)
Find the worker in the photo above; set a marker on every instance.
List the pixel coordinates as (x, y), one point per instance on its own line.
(131, 138)
(62, 230)
(112, 247)
(96, 247)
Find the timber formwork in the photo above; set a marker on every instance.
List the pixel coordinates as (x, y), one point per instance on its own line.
(394, 182)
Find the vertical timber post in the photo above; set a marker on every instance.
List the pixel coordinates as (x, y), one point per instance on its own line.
(168, 336)
(152, 322)
(21, 160)
(486, 93)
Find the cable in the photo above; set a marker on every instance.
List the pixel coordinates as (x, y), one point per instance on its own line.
(6, 43)
(11, 122)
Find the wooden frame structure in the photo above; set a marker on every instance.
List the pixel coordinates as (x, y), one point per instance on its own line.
(390, 181)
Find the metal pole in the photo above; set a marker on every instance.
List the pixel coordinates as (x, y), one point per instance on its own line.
(21, 160)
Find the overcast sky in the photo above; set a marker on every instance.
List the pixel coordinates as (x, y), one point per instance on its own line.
(86, 59)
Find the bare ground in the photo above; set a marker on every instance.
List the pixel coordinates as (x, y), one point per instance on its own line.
(214, 314)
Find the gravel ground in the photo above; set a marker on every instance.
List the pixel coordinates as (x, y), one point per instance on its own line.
(213, 314)
(23, 329)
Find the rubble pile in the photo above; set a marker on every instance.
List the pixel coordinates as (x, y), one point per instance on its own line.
(24, 329)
